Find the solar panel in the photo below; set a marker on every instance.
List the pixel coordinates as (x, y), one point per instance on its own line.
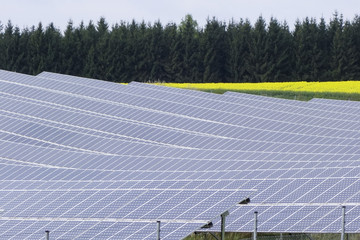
(50, 194)
(337, 123)
(206, 140)
(188, 93)
(310, 129)
(299, 119)
(92, 159)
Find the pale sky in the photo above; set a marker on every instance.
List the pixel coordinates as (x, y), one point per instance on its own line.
(25, 13)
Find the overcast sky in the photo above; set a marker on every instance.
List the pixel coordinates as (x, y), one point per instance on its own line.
(26, 13)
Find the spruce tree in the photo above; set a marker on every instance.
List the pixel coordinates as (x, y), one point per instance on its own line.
(8, 47)
(216, 45)
(355, 25)
(337, 59)
(68, 45)
(258, 58)
(321, 53)
(52, 44)
(350, 61)
(304, 38)
(102, 50)
(171, 38)
(279, 52)
(37, 50)
(186, 52)
(239, 50)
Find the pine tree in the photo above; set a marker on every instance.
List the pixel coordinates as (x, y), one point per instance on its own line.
(91, 39)
(52, 44)
(355, 48)
(216, 45)
(279, 53)
(8, 47)
(171, 38)
(304, 39)
(185, 52)
(102, 51)
(337, 47)
(155, 52)
(68, 56)
(239, 36)
(37, 50)
(258, 58)
(138, 44)
(350, 60)
(18, 52)
(321, 53)
(23, 60)
(244, 54)
(117, 56)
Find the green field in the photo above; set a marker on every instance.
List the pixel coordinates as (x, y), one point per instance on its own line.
(303, 96)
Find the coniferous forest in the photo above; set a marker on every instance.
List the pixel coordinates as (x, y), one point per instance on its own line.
(238, 51)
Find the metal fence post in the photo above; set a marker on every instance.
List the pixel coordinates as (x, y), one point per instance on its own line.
(255, 225)
(47, 234)
(343, 224)
(223, 216)
(158, 230)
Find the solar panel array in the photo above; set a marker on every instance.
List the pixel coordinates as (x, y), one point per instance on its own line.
(91, 159)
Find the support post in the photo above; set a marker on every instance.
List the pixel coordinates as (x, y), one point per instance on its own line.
(281, 236)
(47, 234)
(223, 216)
(158, 230)
(255, 225)
(343, 224)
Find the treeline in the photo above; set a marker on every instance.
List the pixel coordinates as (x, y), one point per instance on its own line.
(218, 52)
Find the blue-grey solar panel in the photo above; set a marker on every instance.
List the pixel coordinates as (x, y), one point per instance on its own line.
(91, 159)
(294, 113)
(299, 119)
(244, 97)
(328, 130)
(138, 204)
(164, 136)
(309, 130)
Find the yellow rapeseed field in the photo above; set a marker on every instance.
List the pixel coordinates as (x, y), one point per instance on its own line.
(330, 87)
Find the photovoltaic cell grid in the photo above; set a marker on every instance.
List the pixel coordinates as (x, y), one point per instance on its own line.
(137, 205)
(192, 118)
(193, 139)
(151, 138)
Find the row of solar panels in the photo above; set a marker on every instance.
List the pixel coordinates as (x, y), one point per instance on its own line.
(176, 155)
